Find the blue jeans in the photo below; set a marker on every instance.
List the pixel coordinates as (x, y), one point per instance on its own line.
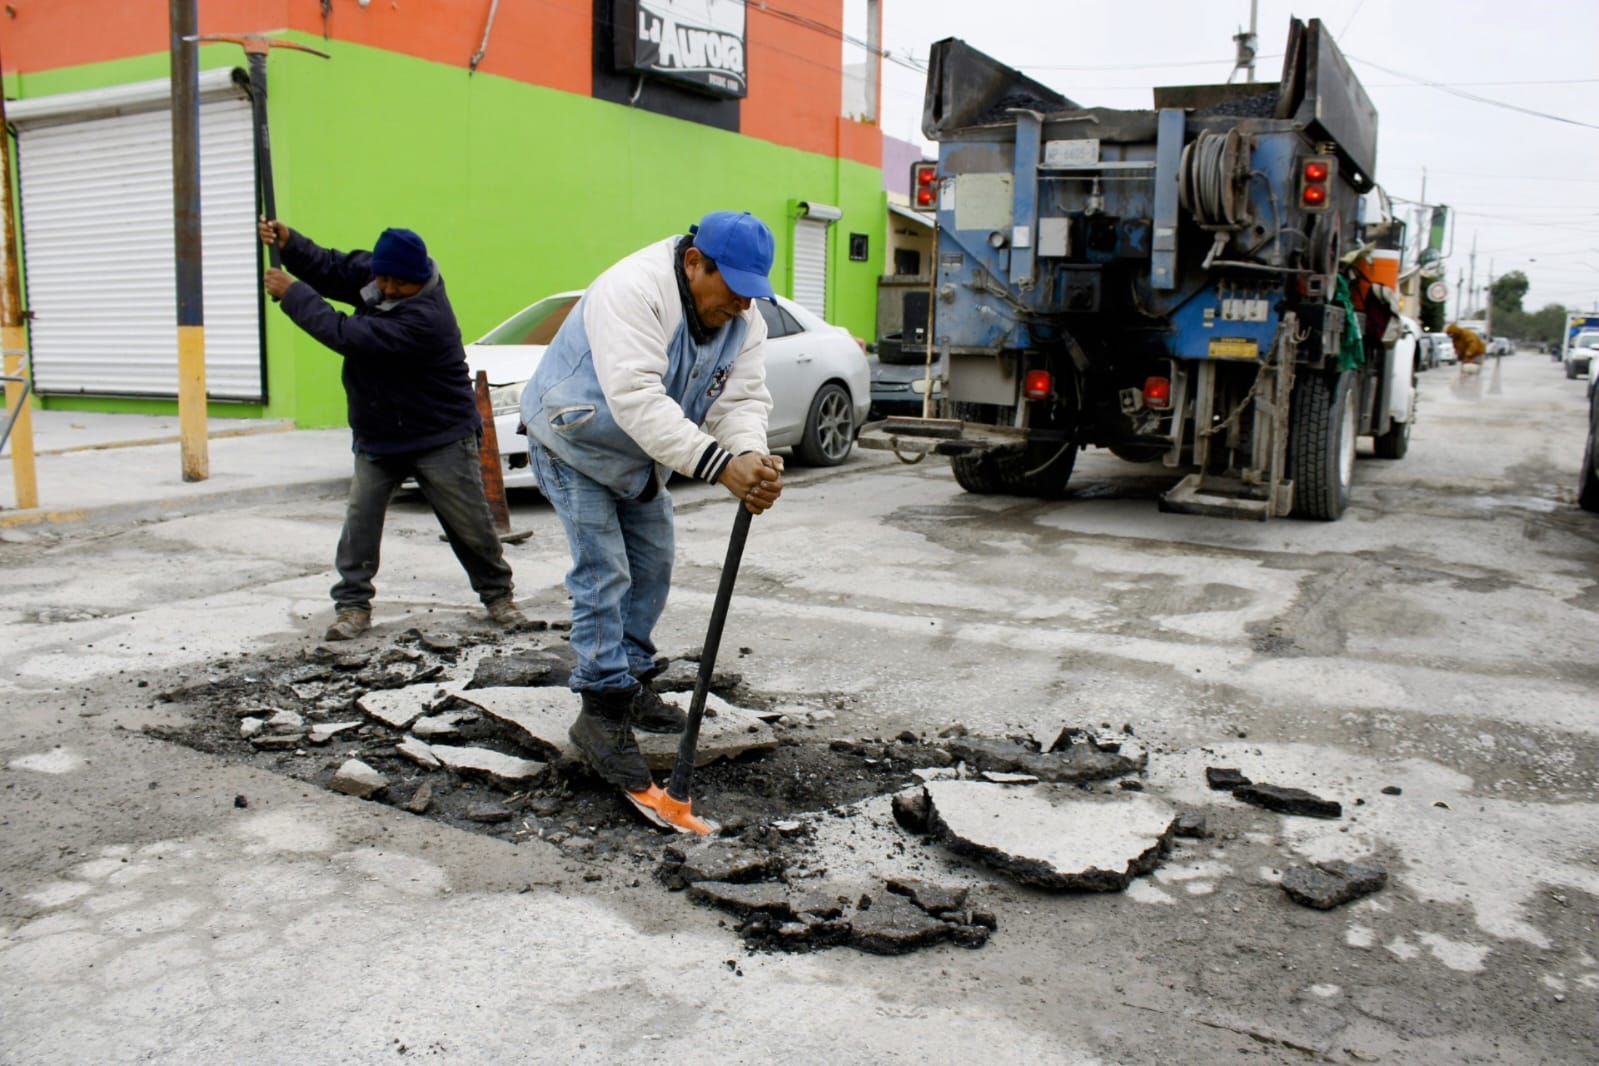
(621, 571)
(452, 481)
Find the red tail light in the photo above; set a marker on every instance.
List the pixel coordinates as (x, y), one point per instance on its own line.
(1316, 170)
(1037, 385)
(1157, 393)
(1314, 195)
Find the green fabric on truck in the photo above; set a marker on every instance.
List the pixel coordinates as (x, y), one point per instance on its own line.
(1352, 351)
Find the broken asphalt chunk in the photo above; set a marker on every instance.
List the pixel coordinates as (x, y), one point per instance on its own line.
(1328, 884)
(910, 810)
(893, 925)
(716, 860)
(525, 669)
(1289, 801)
(1085, 761)
(398, 707)
(934, 899)
(1224, 779)
(1053, 837)
(506, 768)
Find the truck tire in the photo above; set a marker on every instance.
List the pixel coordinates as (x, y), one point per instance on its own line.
(1037, 470)
(1396, 442)
(1321, 445)
(1588, 490)
(829, 428)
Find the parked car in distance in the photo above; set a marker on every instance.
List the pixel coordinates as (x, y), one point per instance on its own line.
(1501, 346)
(1443, 349)
(1584, 346)
(898, 388)
(816, 373)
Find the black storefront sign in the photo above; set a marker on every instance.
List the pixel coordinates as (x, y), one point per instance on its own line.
(698, 44)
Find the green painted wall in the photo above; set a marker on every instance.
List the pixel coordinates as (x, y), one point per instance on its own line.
(519, 190)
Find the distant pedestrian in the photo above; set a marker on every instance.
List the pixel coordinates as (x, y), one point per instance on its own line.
(411, 406)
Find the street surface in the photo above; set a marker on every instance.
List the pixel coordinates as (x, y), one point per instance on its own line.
(1438, 642)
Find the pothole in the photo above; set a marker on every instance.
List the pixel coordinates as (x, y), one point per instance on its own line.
(462, 729)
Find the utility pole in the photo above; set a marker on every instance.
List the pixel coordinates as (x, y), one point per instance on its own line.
(1488, 315)
(1245, 57)
(194, 443)
(14, 341)
(1471, 287)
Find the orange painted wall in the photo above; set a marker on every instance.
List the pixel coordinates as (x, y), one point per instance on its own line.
(795, 81)
(548, 43)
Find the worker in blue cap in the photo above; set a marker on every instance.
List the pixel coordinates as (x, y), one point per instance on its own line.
(412, 409)
(659, 368)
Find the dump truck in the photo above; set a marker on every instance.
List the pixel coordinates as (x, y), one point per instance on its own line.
(1208, 285)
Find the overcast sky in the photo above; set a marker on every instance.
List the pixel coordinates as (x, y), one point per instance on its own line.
(1525, 188)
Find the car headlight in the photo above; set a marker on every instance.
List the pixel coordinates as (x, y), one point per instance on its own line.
(505, 399)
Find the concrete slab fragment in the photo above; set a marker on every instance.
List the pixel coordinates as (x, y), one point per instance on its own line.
(544, 714)
(893, 925)
(418, 752)
(507, 768)
(356, 778)
(1054, 837)
(398, 707)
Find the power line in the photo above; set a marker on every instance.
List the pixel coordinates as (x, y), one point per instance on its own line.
(1471, 96)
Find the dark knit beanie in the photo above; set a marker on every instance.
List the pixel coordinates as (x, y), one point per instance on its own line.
(401, 254)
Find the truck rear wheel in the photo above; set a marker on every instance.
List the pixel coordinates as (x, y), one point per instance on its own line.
(1321, 444)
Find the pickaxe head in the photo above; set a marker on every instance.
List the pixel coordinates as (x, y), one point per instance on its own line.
(256, 44)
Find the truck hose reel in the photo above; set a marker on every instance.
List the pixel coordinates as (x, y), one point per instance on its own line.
(1211, 179)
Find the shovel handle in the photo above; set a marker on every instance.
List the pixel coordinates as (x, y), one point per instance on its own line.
(683, 772)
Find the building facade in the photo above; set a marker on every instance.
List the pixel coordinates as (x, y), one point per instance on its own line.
(530, 144)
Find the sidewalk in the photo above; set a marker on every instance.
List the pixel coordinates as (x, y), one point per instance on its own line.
(116, 467)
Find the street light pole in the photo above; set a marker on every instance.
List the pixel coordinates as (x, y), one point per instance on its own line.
(14, 341)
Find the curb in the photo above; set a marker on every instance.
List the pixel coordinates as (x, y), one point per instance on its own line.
(171, 506)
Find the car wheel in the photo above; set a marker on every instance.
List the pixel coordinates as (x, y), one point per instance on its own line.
(1571, 370)
(829, 428)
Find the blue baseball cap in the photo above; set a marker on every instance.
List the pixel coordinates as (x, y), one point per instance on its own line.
(742, 247)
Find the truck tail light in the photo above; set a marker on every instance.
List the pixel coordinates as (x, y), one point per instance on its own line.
(1157, 393)
(924, 186)
(1315, 178)
(1037, 385)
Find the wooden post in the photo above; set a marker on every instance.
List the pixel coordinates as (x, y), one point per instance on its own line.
(489, 459)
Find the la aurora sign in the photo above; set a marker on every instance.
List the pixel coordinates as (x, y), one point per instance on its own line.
(699, 44)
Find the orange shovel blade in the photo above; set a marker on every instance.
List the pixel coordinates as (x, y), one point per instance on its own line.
(657, 804)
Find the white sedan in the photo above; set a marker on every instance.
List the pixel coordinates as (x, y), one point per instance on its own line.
(817, 375)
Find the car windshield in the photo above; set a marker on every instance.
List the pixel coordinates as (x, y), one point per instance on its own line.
(1588, 340)
(534, 325)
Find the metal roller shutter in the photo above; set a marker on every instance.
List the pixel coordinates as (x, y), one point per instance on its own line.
(98, 248)
(810, 265)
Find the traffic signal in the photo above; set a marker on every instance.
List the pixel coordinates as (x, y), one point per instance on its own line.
(1315, 183)
(924, 186)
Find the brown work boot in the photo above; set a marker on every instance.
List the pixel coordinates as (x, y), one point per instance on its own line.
(350, 623)
(653, 714)
(606, 741)
(505, 614)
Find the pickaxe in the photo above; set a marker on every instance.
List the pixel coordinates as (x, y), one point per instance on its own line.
(256, 46)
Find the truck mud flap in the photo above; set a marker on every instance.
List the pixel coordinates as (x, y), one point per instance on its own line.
(938, 436)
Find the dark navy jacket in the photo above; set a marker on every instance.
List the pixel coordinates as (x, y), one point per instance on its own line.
(405, 373)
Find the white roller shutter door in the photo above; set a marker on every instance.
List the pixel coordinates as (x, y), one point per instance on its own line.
(810, 265)
(98, 245)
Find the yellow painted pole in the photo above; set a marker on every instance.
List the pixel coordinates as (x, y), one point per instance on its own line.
(14, 339)
(194, 444)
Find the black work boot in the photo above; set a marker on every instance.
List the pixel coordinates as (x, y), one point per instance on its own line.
(603, 736)
(653, 714)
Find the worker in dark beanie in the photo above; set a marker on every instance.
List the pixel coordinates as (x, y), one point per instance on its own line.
(411, 406)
